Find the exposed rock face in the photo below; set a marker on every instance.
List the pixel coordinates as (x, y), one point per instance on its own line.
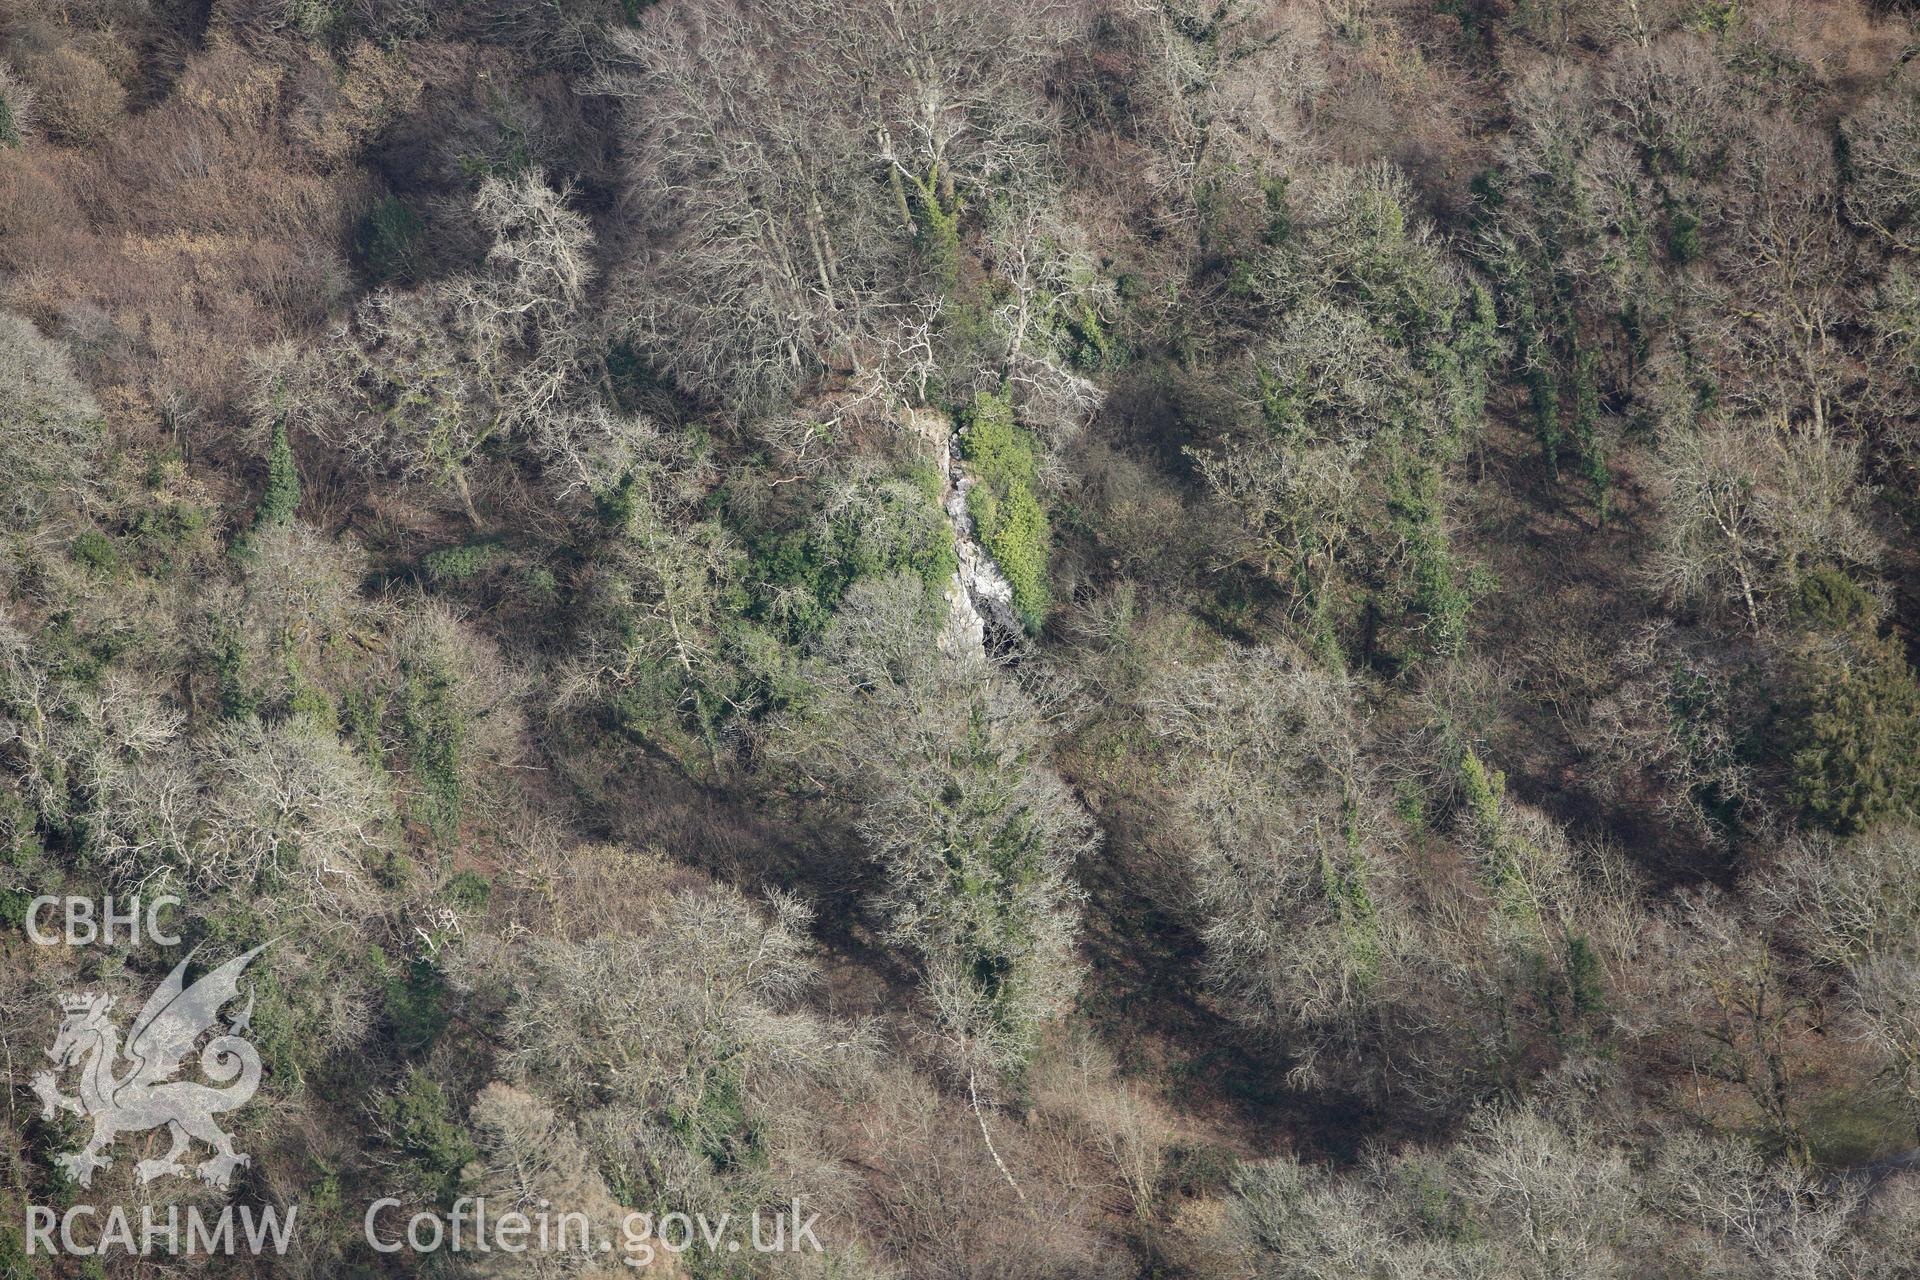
(987, 589)
(979, 599)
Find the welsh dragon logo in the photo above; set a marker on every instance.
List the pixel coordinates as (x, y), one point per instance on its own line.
(139, 1095)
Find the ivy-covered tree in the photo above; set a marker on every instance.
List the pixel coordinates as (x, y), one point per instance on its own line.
(1851, 730)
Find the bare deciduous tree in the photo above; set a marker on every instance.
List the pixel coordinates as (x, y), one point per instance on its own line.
(421, 382)
(1277, 817)
(789, 197)
(49, 424)
(943, 760)
(1747, 509)
(1883, 149)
